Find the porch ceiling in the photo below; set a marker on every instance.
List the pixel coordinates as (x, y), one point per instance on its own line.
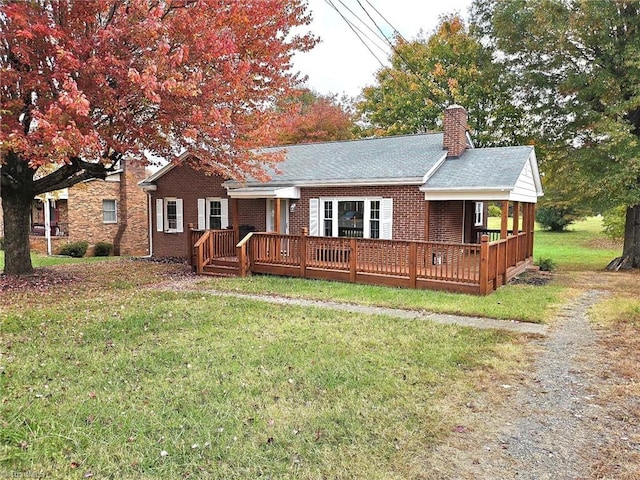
(479, 195)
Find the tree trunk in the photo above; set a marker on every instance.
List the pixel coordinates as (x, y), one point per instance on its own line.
(17, 225)
(631, 249)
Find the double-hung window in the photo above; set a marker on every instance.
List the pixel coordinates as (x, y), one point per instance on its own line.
(109, 211)
(169, 218)
(213, 213)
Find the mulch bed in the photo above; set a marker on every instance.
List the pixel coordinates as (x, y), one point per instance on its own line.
(532, 278)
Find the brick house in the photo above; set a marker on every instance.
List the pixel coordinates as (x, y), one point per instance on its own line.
(430, 187)
(113, 210)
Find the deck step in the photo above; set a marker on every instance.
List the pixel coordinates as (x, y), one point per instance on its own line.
(224, 269)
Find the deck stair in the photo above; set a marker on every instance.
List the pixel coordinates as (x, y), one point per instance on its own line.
(223, 267)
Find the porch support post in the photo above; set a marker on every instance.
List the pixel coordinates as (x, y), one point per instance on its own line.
(427, 206)
(526, 215)
(505, 219)
(532, 227)
(235, 219)
(47, 222)
(516, 232)
(277, 215)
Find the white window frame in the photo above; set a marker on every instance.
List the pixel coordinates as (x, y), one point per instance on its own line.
(478, 216)
(385, 220)
(162, 220)
(204, 212)
(113, 211)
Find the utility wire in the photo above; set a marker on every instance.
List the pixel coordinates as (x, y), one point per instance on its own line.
(380, 37)
(355, 31)
(408, 64)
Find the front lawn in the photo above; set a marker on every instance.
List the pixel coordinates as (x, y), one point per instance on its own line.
(102, 378)
(582, 247)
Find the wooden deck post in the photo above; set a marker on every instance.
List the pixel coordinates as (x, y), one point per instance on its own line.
(353, 260)
(413, 264)
(303, 252)
(504, 220)
(532, 228)
(190, 244)
(277, 220)
(484, 265)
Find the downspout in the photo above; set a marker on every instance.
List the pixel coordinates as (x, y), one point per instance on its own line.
(123, 219)
(150, 223)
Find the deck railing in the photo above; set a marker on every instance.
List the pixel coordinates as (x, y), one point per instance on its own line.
(414, 264)
(471, 268)
(210, 244)
(57, 229)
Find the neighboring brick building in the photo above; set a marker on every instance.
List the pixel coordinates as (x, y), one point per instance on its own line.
(432, 187)
(113, 210)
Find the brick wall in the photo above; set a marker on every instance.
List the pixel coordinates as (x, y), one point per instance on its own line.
(85, 212)
(446, 221)
(408, 207)
(189, 185)
(445, 225)
(132, 213)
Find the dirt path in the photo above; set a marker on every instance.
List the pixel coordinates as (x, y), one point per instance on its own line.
(555, 424)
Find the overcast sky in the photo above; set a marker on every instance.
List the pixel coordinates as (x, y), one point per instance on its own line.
(341, 63)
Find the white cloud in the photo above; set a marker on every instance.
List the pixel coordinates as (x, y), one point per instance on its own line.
(341, 63)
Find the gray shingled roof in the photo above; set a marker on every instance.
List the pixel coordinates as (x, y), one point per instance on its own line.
(490, 168)
(401, 158)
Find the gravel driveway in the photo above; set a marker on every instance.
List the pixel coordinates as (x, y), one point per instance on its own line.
(554, 424)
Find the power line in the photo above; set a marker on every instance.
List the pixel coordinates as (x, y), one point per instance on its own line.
(355, 31)
(408, 64)
(392, 45)
(381, 37)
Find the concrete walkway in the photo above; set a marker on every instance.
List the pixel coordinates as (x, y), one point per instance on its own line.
(445, 319)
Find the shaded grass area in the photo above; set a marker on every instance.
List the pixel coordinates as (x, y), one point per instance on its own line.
(103, 378)
(39, 260)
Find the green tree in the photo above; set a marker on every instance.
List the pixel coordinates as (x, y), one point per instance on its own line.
(575, 67)
(451, 66)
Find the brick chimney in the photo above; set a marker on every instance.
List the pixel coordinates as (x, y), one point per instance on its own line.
(455, 130)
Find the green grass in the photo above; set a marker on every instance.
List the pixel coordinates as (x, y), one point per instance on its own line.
(101, 380)
(102, 376)
(582, 247)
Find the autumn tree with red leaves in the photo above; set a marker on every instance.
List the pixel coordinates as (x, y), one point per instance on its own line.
(85, 84)
(311, 117)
